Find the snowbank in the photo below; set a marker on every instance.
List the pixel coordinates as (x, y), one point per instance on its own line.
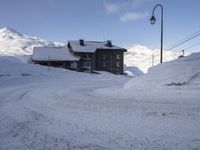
(181, 71)
(133, 71)
(175, 81)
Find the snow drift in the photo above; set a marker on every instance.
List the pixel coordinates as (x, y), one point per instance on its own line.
(179, 72)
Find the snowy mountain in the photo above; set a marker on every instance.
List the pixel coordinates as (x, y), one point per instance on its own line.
(142, 57)
(15, 44)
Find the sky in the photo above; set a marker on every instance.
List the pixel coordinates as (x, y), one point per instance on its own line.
(125, 22)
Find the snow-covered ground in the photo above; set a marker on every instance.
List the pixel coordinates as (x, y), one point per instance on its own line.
(48, 108)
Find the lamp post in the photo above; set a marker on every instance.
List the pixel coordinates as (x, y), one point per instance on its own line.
(152, 21)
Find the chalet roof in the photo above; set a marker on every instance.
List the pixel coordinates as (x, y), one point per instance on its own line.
(53, 54)
(91, 46)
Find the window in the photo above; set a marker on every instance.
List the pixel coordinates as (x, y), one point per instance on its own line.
(44, 63)
(86, 64)
(86, 57)
(118, 64)
(117, 56)
(104, 64)
(58, 64)
(73, 65)
(104, 56)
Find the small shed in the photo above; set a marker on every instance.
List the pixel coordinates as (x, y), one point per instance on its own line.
(55, 57)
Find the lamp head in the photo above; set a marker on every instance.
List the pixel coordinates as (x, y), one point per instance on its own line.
(152, 20)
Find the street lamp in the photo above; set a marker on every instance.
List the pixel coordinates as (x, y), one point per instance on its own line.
(152, 21)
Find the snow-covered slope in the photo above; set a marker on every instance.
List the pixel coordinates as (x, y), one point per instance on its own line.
(60, 109)
(177, 80)
(141, 57)
(18, 45)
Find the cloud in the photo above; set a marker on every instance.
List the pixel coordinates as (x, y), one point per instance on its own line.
(111, 8)
(132, 16)
(139, 3)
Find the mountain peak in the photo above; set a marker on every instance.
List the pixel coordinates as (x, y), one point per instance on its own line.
(9, 31)
(18, 45)
(142, 57)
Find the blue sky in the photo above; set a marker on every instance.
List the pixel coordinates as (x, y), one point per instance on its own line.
(125, 22)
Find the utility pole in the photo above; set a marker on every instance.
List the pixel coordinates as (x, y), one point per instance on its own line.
(91, 64)
(152, 60)
(49, 63)
(183, 51)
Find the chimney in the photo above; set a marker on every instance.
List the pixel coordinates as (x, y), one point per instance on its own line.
(81, 42)
(108, 43)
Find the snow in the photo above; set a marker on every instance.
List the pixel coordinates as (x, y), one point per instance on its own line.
(181, 71)
(133, 71)
(52, 108)
(61, 109)
(90, 46)
(53, 54)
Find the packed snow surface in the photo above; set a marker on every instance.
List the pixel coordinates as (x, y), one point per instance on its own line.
(56, 109)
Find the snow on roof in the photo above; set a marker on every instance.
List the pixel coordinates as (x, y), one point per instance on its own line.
(53, 54)
(91, 46)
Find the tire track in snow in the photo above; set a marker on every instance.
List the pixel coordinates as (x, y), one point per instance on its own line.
(22, 132)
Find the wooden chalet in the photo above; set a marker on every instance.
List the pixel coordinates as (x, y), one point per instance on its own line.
(88, 56)
(98, 56)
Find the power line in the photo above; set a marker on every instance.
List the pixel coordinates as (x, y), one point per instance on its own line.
(190, 37)
(192, 46)
(185, 38)
(184, 41)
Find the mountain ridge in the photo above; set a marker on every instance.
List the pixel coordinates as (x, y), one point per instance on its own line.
(13, 43)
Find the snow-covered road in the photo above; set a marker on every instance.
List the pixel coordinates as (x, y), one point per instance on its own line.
(71, 113)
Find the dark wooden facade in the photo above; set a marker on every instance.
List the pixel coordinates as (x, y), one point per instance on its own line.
(72, 65)
(110, 60)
